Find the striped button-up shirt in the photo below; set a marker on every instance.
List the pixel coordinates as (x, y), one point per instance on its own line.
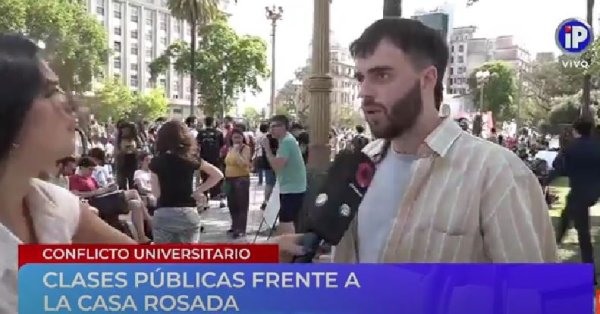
(469, 200)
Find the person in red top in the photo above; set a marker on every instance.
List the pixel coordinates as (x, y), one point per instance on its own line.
(84, 185)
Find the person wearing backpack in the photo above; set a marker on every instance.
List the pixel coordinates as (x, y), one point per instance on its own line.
(360, 140)
(210, 141)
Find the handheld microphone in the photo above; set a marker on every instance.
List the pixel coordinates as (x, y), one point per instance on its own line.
(337, 202)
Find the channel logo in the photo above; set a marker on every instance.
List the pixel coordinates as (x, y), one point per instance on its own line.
(573, 36)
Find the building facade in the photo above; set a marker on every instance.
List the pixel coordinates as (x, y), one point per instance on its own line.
(138, 32)
(456, 81)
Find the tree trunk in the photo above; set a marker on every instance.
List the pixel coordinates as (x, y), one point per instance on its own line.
(586, 112)
(194, 34)
(392, 8)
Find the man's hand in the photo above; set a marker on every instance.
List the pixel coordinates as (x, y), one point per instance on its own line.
(289, 246)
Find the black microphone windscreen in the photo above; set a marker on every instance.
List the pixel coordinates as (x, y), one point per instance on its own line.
(340, 196)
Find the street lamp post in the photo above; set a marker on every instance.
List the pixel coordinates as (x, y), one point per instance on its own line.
(319, 86)
(273, 14)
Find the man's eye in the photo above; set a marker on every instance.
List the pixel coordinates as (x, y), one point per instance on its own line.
(383, 76)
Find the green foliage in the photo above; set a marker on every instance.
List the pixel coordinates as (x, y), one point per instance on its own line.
(198, 12)
(347, 117)
(14, 15)
(498, 92)
(252, 116)
(228, 64)
(150, 105)
(76, 44)
(117, 101)
(565, 110)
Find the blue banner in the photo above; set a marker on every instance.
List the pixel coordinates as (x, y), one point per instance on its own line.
(300, 288)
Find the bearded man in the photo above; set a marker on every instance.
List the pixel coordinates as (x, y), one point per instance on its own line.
(439, 194)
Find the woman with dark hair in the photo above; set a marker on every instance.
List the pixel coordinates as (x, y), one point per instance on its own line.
(36, 129)
(237, 177)
(127, 147)
(176, 220)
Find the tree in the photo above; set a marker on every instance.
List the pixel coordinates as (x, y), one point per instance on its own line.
(14, 15)
(564, 111)
(252, 116)
(150, 105)
(229, 64)
(498, 91)
(115, 100)
(76, 45)
(196, 13)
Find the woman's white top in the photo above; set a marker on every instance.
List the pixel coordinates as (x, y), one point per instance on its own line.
(55, 213)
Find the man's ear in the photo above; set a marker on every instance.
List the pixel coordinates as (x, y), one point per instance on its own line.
(429, 78)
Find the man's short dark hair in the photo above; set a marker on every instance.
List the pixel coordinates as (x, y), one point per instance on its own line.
(190, 120)
(66, 160)
(583, 127)
(422, 44)
(282, 119)
(86, 162)
(209, 122)
(263, 128)
(359, 129)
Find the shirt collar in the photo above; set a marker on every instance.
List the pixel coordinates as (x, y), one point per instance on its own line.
(437, 142)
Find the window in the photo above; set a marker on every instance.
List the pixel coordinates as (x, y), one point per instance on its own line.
(178, 26)
(117, 9)
(135, 14)
(133, 80)
(117, 63)
(117, 46)
(118, 30)
(133, 67)
(134, 49)
(148, 35)
(451, 70)
(461, 59)
(452, 48)
(134, 34)
(163, 26)
(163, 82)
(148, 52)
(461, 48)
(100, 10)
(163, 40)
(149, 21)
(176, 85)
(452, 59)
(117, 76)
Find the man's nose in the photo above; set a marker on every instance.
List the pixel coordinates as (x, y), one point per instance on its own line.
(365, 90)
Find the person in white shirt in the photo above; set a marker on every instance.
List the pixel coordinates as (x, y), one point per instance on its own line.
(192, 124)
(37, 126)
(143, 182)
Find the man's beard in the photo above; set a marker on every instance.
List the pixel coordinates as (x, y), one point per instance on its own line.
(402, 116)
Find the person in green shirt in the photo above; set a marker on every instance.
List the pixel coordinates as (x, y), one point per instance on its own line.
(289, 166)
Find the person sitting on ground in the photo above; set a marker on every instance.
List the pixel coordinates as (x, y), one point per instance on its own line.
(85, 186)
(142, 178)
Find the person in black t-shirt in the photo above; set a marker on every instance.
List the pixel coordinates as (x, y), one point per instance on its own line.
(176, 219)
(302, 137)
(210, 141)
(270, 177)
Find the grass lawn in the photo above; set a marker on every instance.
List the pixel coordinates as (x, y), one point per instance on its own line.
(560, 187)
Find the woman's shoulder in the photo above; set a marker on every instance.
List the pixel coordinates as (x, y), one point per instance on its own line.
(54, 206)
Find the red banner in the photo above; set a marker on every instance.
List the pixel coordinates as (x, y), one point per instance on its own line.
(171, 253)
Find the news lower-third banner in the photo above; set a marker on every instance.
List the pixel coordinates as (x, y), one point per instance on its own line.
(306, 288)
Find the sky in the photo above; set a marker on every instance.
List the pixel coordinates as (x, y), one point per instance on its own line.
(532, 22)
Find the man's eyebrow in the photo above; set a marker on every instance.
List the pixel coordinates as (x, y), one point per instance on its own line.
(380, 68)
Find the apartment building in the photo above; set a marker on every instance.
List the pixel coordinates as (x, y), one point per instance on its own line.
(138, 32)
